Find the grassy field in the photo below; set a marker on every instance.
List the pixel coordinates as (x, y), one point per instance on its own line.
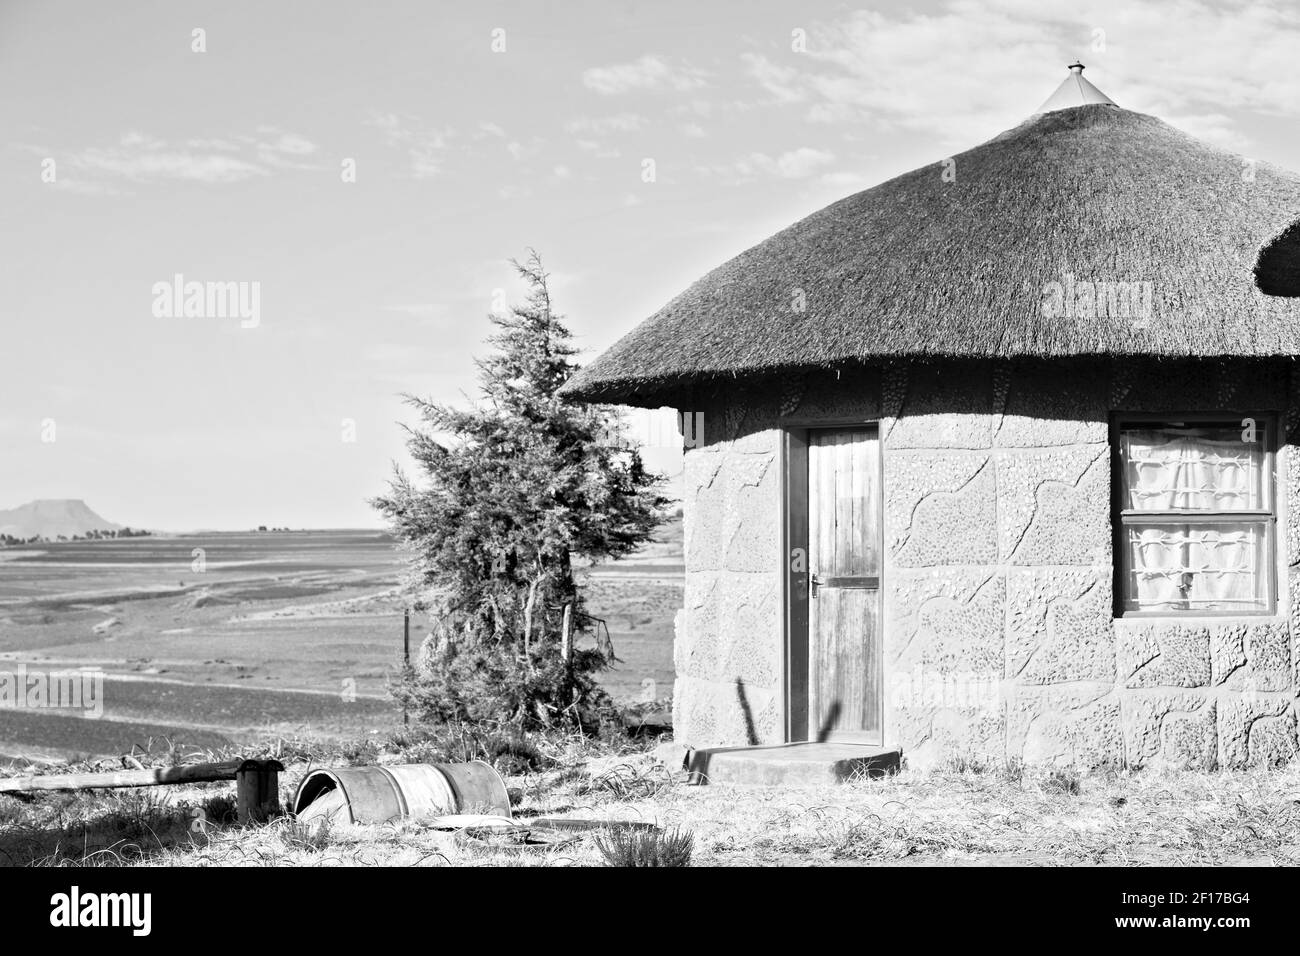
(259, 653)
(214, 638)
(959, 815)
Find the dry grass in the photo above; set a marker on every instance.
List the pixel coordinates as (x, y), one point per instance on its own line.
(964, 813)
(642, 848)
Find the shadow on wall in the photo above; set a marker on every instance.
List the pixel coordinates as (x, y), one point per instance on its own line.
(971, 386)
(746, 713)
(751, 732)
(832, 716)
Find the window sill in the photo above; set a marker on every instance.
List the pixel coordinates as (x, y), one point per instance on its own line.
(1192, 617)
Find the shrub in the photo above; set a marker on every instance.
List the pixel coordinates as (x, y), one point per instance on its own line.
(1062, 781)
(220, 809)
(636, 847)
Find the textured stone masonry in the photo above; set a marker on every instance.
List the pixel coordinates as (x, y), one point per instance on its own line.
(1000, 639)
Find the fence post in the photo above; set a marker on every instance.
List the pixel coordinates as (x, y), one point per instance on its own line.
(566, 636)
(257, 790)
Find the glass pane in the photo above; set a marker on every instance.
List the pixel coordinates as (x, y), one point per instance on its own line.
(1203, 468)
(1200, 566)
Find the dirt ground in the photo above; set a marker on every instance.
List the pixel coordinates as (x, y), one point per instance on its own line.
(965, 816)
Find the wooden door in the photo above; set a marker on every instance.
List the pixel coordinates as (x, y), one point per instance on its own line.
(844, 655)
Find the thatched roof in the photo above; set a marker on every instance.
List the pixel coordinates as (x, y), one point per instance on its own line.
(929, 266)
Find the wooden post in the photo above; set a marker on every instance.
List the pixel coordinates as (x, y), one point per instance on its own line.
(566, 650)
(257, 790)
(193, 773)
(566, 635)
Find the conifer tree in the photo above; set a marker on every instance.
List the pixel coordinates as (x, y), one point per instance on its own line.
(509, 493)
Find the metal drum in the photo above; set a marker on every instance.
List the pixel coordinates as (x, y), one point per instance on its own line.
(408, 791)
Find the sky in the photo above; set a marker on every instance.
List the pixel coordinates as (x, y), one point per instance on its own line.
(369, 169)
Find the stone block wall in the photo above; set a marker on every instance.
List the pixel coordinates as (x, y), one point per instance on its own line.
(999, 633)
(729, 648)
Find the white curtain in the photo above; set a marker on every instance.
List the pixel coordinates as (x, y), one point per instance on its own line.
(1211, 567)
(1199, 473)
(1207, 566)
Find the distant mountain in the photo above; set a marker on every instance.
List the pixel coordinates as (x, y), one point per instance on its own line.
(51, 517)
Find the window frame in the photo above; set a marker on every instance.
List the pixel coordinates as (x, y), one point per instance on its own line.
(1119, 422)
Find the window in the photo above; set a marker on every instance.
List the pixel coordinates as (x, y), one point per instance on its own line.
(1196, 521)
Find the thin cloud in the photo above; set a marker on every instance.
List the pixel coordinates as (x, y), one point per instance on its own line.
(845, 179)
(86, 187)
(650, 73)
(598, 150)
(286, 143)
(283, 149)
(425, 147)
(521, 151)
(875, 68)
(782, 82)
(142, 158)
(795, 164)
(595, 125)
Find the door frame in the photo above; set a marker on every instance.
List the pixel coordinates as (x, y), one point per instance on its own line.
(794, 584)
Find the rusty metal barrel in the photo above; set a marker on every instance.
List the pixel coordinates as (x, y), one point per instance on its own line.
(407, 791)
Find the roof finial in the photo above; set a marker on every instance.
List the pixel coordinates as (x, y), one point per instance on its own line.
(1075, 91)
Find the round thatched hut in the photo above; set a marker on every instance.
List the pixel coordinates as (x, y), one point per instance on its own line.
(997, 458)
